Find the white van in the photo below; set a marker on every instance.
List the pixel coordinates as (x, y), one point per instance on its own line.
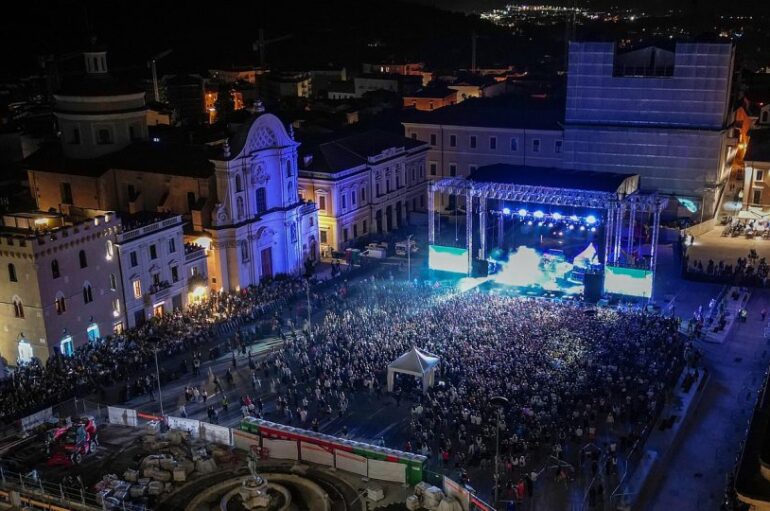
(401, 247)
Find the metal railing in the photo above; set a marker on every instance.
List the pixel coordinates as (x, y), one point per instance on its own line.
(32, 486)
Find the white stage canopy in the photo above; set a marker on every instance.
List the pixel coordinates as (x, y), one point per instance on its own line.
(415, 362)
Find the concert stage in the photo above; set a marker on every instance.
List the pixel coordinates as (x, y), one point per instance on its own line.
(549, 230)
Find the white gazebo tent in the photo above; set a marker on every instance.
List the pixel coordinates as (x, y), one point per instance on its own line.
(417, 363)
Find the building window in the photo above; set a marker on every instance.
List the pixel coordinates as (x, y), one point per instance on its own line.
(514, 144)
(66, 193)
(83, 259)
(12, 273)
(363, 195)
(171, 246)
(238, 183)
(324, 236)
(88, 296)
(116, 307)
(377, 189)
(110, 251)
(75, 136)
(239, 207)
(55, 269)
(757, 197)
(557, 147)
(134, 259)
(261, 200)
(293, 232)
(365, 227)
(60, 304)
(398, 181)
(536, 145)
(758, 175)
(153, 252)
(355, 230)
(422, 201)
(137, 288)
(493, 143)
(452, 169)
(288, 168)
(244, 251)
(322, 202)
(432, 166)
(353, 198)
(113, 282)
(473, 142)
(345, 234)
(452, 140)
(18, 307)
(344, 202)
(155, 279)
(433, 139)
(174, 274)
(103, 136)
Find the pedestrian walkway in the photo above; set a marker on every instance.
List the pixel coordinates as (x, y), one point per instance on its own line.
(696, 473)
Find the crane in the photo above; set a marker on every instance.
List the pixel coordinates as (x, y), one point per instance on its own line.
(151, 65)
(261, 44)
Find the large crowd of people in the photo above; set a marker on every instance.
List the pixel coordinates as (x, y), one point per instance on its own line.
(571, 374)
(119, 358)
(747, 271)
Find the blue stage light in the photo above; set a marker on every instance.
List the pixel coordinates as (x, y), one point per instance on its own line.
(506, 211)
(582, 227)
(556, 216)
(590, 219)
(550, 224)
(571, 227)
(522, 212)
(593, 229)
(529, 223)
(538, 214)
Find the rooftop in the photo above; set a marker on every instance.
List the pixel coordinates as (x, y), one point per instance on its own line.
(432, 92)
(759, 145)
(353, 150)
(141, 219)
(508, 111)
(96, 86)
(170, 159)
(585, 180)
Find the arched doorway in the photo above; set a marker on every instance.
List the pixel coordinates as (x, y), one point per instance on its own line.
(25, 351)
(93, 332)
(66, 346)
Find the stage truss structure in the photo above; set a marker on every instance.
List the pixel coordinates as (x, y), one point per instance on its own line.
(622, 212)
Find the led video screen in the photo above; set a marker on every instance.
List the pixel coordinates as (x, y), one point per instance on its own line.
(627, 281)
(449, 259)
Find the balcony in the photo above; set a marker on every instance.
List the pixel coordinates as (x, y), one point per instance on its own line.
(159, 291)
(193, 252)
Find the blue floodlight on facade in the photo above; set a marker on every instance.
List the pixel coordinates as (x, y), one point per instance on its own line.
(538, 214)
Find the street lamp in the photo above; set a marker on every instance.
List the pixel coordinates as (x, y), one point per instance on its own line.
(157, 376)
(498, 402)
(409, 257)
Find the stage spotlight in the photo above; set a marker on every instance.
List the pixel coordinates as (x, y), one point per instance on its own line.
(574, 218)
(582, 227)
(540, 224)
(571, 227)
(506, 211)
(522, 212)
(556, 216)
(590, 219)
(550, 224)
(593, 229)
(529, 223)
(538, 214)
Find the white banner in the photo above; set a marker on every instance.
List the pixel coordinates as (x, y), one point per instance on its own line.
(124, 416)
(345, 460)
(215, 434)
(243, 440)
(454, 489)
(387, 471)
(192, 426)
(316, 454)
(36, 419)
(281, 449)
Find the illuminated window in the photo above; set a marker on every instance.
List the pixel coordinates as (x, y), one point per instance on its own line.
(324, 236)
(60, 303)
(110, 250)
(137, 288)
